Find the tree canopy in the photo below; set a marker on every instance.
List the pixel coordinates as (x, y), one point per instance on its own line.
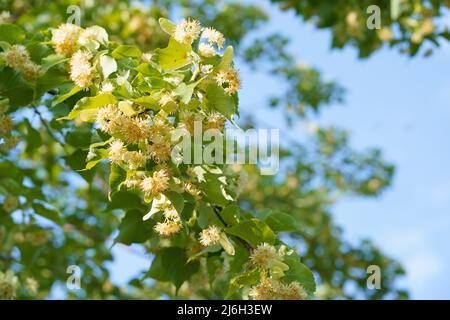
(86, 118)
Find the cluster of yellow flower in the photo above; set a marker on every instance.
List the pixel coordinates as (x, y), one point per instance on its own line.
(213, 235)
(71, 40)
(210, 236)
(9, 284)
(81, 69)
(270, 262)
(117, 124)
(171, 225)
(270, 289)
(212, 120)
(190, 30)
(68, 38)
(139, 137)
(10, 140)
(10, 203)
(230, 78)
(18, 58)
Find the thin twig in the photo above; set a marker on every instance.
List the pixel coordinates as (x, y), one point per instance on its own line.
(46, 126)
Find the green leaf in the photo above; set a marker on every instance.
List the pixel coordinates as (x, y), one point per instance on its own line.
(80, 137)
(174, 56)
(11, 33)
(47, 213)
(229, 214)
(116, 177)
(17, 90)
(132, 229)
(127, 108)
(185, 91)
(86, 108)
(167, 25)
(281, 222)
(148, 71)
(176, 199)
(101, 154)
(147, 102)
(207, 217)
(214, 190)
(126, 51)
(227, 58)
(48, 81)
(253, 231)
(66, 96)
(171, 264)
(108, 65)
(76, 161)
(220, 101)
(248, 278)
(33, 140)
(51, 61)
(299, 272)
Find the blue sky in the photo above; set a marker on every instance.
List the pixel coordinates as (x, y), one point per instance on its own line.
(399, 104)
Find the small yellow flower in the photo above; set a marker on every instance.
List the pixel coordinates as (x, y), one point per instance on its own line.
(6, 124)
(65, 37)
(8, 285)
(16, 56)
(230, 78)
(116, 151)
(11, 203)
(81, 70)
(214, 37)
(160, 151)
(32, 285)
(210, 236)
(157, 183)
(187, 31)
(267, 289)
(168, 228)
(30, 71)
(206, 50)
(134, 159)
(293, 291)
(215, 121)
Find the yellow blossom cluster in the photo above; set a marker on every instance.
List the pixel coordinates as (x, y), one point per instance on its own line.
(230, 78)
(130, 129)
(212, 37)
(71, 40)
(270, 289)
(68, 38)
(18, 58)
(267, 258)
(160, 137)
(119, 154)
(81, 69)
(10, 141)
(171, 225)
(10, 203)
(210, 236)
(187, 31)
(156, 183)
(212, 120)
(65, 37)
(9, 284)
